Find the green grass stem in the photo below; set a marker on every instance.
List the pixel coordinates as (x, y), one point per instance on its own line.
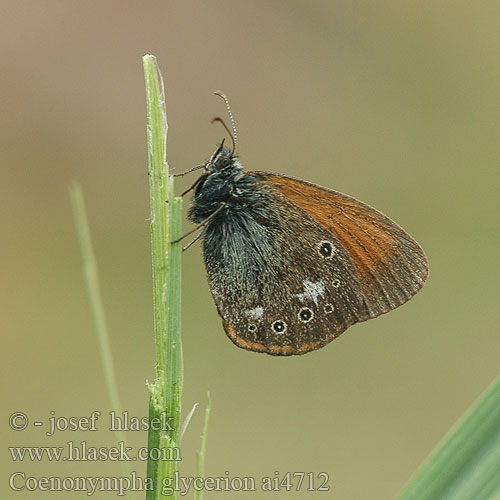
(166, 212)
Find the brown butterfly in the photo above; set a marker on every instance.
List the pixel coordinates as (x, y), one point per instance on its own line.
(291, 265)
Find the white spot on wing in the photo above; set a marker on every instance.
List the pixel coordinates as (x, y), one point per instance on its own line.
(256, 313)
(311, 291)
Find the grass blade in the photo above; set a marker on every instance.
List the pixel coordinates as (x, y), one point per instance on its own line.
(166, 390)
(91, 278)
(466, 463)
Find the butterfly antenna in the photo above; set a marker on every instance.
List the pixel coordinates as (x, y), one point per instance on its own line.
(234, 135)
(220, 120)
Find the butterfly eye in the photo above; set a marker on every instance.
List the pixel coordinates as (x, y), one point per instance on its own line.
(222, 163)
(279, 326)
(326, 249)
(252, 328)
(305, 315)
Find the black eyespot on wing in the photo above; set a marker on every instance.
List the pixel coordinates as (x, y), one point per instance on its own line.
(326, 249)
(305, 315)
(279, 326)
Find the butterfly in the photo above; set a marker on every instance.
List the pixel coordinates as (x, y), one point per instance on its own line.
(290, 264)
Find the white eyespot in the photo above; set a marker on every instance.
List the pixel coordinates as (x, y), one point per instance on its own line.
(328, 308)
(326, 249)
(305, 315)
(252, 328)
(279, 326)
(336, 283)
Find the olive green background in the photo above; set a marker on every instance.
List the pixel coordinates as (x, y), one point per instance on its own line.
(395, 103)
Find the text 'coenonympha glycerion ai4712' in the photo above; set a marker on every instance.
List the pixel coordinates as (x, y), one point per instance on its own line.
(291, 265)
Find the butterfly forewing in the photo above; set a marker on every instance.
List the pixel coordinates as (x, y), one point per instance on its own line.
(389, 263)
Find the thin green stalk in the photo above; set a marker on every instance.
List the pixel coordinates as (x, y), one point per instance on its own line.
(91, 279)
(466, 463)
(166, 211)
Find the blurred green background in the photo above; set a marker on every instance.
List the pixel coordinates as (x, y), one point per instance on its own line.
(395, 103)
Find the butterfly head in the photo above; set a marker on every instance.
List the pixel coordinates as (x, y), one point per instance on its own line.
(220, 172)
(223, 162)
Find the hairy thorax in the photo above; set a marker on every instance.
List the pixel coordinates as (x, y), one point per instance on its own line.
(238, 241)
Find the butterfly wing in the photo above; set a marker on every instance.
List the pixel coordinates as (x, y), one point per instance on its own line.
(297, 264)
(390, 265)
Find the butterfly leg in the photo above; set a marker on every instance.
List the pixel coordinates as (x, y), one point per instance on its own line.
(196, 238)
(189, 170)
(189, 189)
(201, 224)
